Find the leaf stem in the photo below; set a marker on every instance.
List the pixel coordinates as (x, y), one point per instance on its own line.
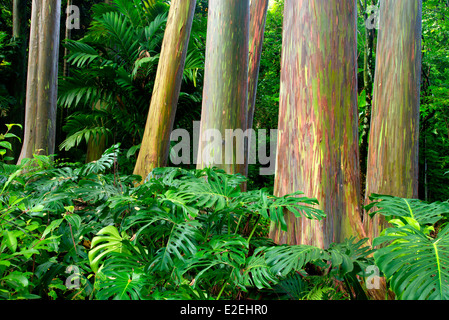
(221, 291)
(254, 229)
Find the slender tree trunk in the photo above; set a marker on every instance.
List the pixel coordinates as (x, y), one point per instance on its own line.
(97, 144)
(258, 17)
(393, 145)
(62, 116)
(225, 92)
(156, 140)
(68, 35)
(20, 62)
(318, 120)
(40, 110)
(31, 89)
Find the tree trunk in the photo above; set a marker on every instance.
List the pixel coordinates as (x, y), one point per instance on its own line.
(393, 145)
(225, 92)
(318, 120)
(156, 139)
(97, 144)
(40, 110)
(20, 62)
(258, 17)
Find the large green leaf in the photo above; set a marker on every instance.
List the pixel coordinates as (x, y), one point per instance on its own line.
(422, 212)
(284, 259)
(416, 265)
(108, 240)
(181, 244)
(121, 285)
(257, 272)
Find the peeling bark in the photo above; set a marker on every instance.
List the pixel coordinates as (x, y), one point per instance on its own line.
(258, 17)
(225, 91)
(40, 109)
(318, 121)
(392, 166)
(154, 151)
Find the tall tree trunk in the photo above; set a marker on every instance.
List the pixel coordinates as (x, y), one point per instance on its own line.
(393, 145)
(20, 62)
(318, 121)
(225, 92)
(68, 36)
(156, 139)
(40, 110)
(258, 17)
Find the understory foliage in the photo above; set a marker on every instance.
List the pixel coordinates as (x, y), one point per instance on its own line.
(112, 73)
(73, 231)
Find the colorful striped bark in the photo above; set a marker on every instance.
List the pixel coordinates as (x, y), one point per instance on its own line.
(225, 91)
(156, 139)
(394, 138)
(318, 136)
(40, 109)
(258, 17)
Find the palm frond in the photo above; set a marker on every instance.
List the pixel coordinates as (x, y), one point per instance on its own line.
(123, 35)
(105, 162)
(81, 54)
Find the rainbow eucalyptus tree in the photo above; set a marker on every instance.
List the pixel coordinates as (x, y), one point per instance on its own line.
(41, 94)
(225, 91)
(392, 166)
(318, 120)
(258, 17)
(156, 139)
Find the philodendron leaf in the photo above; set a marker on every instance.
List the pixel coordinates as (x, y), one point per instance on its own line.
(400, 208)
(416, 265)
(284, 259)
(107, 240)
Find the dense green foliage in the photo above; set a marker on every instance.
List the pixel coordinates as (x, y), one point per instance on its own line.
(76, 230)
(87, 232)
(112, 73)
(434, 138)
